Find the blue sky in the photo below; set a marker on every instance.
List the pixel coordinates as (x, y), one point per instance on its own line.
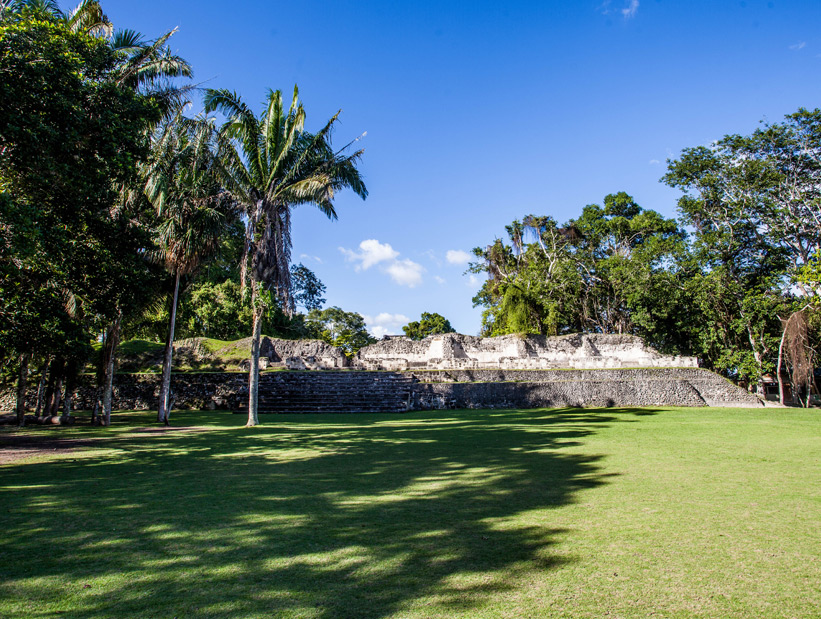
(478, 113)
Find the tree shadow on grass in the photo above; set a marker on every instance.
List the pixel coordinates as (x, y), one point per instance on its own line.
(313, 516)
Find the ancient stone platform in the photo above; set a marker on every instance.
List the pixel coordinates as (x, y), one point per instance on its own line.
(576, 388)
(455, 351)
(444, 371)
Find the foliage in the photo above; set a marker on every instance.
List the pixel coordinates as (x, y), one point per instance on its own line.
(70, 135)
(275, 166)
(428, 324)
(307, 288)
(745, 255)
(339, 328)
(215, 307)
(183, 183)
(601, 273)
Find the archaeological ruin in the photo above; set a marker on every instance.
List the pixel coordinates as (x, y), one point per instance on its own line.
(397, 374)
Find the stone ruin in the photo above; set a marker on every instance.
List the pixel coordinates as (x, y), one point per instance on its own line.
(463, 352)
(301, 355)
(440, 372)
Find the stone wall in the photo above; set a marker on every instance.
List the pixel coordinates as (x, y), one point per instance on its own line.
(213, 390)
(560, 388)
(450, 389)
(302, 354)
(454, 351)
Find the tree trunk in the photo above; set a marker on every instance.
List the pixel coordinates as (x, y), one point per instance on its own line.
(52, 379)
(41, 387)
(253, 378)
(71, 374)
(112, 340)
(165, 389)
(58, 392)
(21, 389)
(778, 365)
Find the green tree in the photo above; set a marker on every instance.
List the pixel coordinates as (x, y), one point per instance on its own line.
(428, 324)
(308, 289)
(183, 185)
(345, 330)
(736, 271)
(70, 135)
(86, 18)
(276, 166)
(604, 272)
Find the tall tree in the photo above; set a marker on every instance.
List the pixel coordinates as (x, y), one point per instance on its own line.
(183, 185)
(337, 327)
(70, 135)
(276, 166)
(737, 270)
(601, 273)
(430, 323)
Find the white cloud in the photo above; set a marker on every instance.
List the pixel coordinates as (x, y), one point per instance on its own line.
(457, 256)
(654, 162)
(631, 9)
(799, 45)
(439, 280)
(379, 332)
(473, 280)
(431, 255)
(386, 324)
(373, 252)
(309, 257)
(405, 272)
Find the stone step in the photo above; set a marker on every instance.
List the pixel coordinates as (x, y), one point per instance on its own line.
(332, 392)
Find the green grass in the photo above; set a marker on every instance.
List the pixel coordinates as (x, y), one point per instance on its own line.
(194, 354)
(547, 513)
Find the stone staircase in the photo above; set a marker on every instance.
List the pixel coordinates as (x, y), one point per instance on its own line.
(332, 392)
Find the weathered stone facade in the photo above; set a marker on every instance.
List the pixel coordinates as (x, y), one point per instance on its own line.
(301, 354)
(532, 352)
(455, 351)
(193, 390)
(347, 391)
(591, 388)
(443, 371)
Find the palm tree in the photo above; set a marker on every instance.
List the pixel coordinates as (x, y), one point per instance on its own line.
(87, 17)
(275, 166)
(183, 185)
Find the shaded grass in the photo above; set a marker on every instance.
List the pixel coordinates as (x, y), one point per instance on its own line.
(546, 513)
(192, 354)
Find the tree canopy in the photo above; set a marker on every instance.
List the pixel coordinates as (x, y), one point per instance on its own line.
(428, 324)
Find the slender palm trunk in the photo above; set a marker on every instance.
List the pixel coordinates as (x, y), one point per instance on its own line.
(253, 378)
(21, 389)
(112, 341)
(165, 390)
(778, 365)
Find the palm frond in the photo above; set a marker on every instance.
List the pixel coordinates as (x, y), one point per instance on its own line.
(127, 41)
(88, 17)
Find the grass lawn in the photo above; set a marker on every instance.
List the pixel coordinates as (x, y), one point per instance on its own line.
(545, 513)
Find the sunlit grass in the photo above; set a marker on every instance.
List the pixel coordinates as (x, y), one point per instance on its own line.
(567, 513)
